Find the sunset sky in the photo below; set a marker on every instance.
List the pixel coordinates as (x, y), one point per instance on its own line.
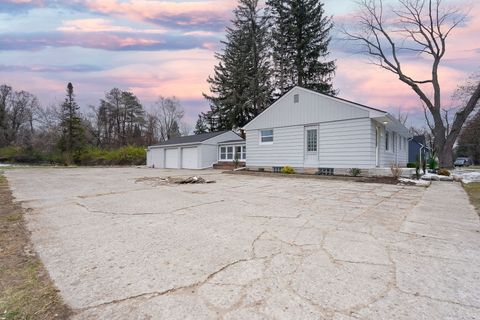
(167, 48)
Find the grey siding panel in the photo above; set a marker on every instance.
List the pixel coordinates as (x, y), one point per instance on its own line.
(347, 144)
(208, 155)
(314, 108)
(287, 148)
(387, 157)
(342, 144)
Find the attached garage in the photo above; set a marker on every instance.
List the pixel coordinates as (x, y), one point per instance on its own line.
(189, 152)
(171, 158)
(190, 158)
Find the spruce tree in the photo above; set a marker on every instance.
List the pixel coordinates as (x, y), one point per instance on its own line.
(73, 134)
(240, 87)
(201, 126)
(301, 35)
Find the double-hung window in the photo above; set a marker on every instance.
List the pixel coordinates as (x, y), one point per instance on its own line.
(223, 153)
(229, 153)
(266, 136)
(226, 153)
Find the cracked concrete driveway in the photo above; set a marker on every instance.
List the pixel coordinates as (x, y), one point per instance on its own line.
(252, 247)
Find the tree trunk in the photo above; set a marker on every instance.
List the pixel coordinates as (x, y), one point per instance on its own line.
(445, 156)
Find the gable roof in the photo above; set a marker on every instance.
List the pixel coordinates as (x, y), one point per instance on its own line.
(195, 138)
(344, 100)
(353, 109)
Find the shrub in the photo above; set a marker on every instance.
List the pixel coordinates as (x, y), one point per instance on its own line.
(443, 172)
(28, 155)
(129, 155)
(396, 170)
(412, 164)
(236, 161)
(287, 170)
(355, 172)
(432, 163)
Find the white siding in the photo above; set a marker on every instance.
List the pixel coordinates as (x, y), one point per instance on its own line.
(286, 150)
(394, 154)
(312, 108)
(208, 155)
(347, 144)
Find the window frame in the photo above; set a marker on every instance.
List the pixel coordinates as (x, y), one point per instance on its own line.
(226, 153)
(230, 152)
(223, 152)
(296, 98)
(315, 136)
(261, 136)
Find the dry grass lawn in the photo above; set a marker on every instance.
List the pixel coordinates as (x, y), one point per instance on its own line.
(26, 292)
(473, 190)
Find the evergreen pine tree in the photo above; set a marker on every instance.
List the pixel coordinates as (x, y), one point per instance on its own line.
(201, 126)
(73, 134)
(301, 35)
(240, 87)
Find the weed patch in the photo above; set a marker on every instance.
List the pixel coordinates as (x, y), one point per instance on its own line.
(26, 291)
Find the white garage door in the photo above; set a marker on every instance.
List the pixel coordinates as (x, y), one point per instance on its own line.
(190, 158)
(171, 158)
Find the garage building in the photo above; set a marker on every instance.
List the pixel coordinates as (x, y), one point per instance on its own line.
(190, 152)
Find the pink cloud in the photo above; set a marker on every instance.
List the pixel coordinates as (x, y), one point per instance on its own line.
(171, 12)
(100, 25)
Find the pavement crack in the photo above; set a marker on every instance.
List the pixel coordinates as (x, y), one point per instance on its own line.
(150, 295)
(145, 213)
(416, 294)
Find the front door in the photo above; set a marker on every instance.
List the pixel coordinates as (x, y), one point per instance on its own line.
(311, 146)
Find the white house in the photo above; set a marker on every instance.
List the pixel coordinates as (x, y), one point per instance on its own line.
(197, 151)
(308, 130)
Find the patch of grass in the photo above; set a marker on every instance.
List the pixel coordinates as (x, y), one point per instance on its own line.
(26, 291)
(14, 217)
(473, 191)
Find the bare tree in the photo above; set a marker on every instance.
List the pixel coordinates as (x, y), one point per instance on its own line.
(421, 27)
(402, 117)
(169, 113)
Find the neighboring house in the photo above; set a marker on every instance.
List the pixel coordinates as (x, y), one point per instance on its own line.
(197, 151)
(309, 130)
(416, 147)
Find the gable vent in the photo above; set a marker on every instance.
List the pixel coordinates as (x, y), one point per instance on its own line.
(296, 98)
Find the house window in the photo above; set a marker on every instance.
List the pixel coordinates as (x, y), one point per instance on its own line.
(312, 140)
(266, 136)
(296, 98)
(387, 140)
(400, 143)
(240, 152)
(232, 153)
(229, 153)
